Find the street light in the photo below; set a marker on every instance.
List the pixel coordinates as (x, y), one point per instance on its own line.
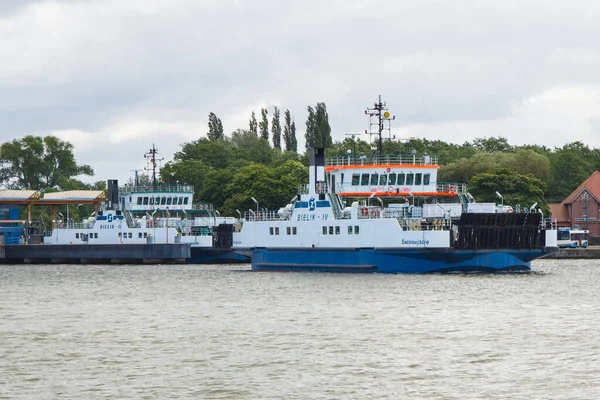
(532, 208)
(256, 201)
(501, 198)
(239, 213)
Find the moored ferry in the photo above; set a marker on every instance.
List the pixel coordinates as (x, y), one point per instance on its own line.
(388, 213)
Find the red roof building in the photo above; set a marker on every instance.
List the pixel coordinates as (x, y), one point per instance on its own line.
(581, 207)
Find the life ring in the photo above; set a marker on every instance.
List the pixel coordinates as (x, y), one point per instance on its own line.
(365, 212)
(452, 189)
(374, 213)
(388, 169)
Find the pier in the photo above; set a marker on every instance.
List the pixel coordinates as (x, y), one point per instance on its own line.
(156, 253)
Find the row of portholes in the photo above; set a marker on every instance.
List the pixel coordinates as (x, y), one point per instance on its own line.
(164, 200)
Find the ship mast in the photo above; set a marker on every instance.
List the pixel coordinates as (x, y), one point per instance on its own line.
(151, 157)
(381, 115)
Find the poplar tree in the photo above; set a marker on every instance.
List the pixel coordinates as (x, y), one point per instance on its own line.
(276, 129)
(287, 130)
(318, 131)
(263, 125)
(294, 143)
(215, 127)
(253, 124)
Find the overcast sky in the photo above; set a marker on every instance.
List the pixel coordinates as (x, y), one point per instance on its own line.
(115, 76)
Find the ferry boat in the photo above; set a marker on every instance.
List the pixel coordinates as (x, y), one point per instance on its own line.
(161, 207)
(399, 219)
(154, 213)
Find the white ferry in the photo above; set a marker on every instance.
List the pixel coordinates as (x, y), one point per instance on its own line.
(399, 219)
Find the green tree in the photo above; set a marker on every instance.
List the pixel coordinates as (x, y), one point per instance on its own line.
(38, 163)
(251, 149)
(287, 130)
(570, 165)
(318, 131)
(215, 127)
(253, 124)
(493, 144)
(294, 147)
(216, 154)
(276, 129)
(263, 125)
(516, 189)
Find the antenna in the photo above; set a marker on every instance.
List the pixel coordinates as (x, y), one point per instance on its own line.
(353, 135)
(379, 111)
(137, 181)
(151, 157)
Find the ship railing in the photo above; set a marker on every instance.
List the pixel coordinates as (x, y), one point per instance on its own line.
(267, 215)
(202, 206)
(449, 187)
(382, 159)
(73, 225)
(156, 188)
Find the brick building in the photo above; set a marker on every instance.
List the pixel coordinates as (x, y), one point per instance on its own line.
(581, 207)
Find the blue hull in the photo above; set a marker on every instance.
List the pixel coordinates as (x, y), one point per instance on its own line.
(393, 260)
(200, 255)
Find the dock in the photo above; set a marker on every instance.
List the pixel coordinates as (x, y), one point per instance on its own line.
(591, 252)
(156, 253)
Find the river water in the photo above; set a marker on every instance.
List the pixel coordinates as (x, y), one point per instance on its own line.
(224, 332)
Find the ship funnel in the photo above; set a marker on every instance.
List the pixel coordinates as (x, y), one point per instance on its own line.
(316, 170)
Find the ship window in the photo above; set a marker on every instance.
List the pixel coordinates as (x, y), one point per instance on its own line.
(96, 235)
(324, 230)
(169, 200)
(418, 179)
(180, 201)
(145, 201)
(409, 179)
(401, 179)
(356, 229)
(382, 179)
(350, 229)
(331, 230)
(77, 235)
(392, 179)
(120, 234)
(271, 230)
(342, 178)
(151, 201)
(426, 179)
(139, 201)
(277, 230)
(337, 230)
(130, 235)
(145, 234)
(288, 230)
(163, 200)
(130, 199)
(355, 179)
(374, 179)
(294, 230)
(185, 200)
(157, 200)
(364, 180)
(139, 235)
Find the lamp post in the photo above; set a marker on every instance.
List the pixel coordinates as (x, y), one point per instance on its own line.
(239, 213)
(256, 201)
(501, 198)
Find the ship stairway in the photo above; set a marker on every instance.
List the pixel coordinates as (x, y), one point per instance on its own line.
(130, 222)
(464, 200)
(336, 205)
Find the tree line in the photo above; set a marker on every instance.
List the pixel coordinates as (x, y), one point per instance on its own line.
(263, 162)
